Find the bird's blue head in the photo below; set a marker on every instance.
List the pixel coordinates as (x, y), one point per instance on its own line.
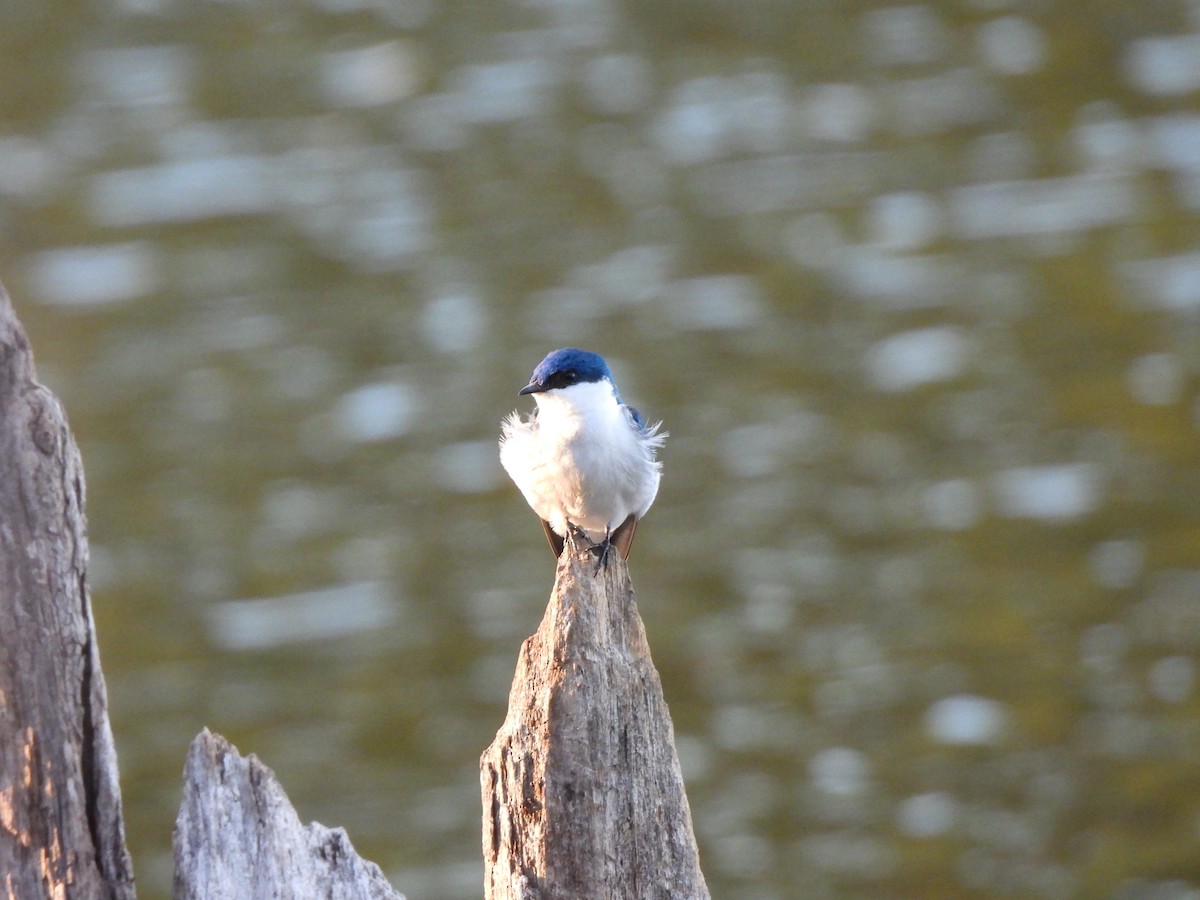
(565, 367)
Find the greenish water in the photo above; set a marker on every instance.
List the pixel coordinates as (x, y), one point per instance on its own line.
(915, 289)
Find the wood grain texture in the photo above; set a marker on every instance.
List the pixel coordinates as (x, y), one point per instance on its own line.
(237, 837)
(582, 791)
(61, 828)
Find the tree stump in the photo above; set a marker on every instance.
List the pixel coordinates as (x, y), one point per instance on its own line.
(237, 837)
(582, 791)
(61, 830)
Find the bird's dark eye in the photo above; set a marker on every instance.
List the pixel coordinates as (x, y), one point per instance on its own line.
(570, 375)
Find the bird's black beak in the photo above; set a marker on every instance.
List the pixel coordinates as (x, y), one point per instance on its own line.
(533, 388)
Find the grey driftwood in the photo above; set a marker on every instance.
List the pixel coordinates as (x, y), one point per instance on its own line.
(237, 837)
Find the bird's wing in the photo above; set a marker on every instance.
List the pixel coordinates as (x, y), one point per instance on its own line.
(622, 537)
(555, 539)
(651, 433)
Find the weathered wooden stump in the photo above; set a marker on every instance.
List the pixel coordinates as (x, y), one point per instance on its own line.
(61, 830)
(582, 791)
(237, 836)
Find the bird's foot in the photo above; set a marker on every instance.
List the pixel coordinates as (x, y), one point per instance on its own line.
(580, 540)
(602, 551)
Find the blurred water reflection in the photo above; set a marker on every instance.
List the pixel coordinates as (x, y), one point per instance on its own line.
(913, 285)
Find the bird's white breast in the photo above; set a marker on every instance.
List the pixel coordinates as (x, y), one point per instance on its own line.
(581, 459)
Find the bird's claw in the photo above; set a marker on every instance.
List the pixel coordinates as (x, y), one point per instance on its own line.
(602, 551)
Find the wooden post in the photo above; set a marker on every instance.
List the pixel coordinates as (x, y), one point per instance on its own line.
(61, 830)
(237, 836)
(582, 791)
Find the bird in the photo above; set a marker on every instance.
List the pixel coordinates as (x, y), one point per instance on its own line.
(585, 461)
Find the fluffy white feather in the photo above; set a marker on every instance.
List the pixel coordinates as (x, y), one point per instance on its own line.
(583, 458)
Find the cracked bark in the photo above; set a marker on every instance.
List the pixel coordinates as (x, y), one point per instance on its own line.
(582, 791)
(61, 828)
